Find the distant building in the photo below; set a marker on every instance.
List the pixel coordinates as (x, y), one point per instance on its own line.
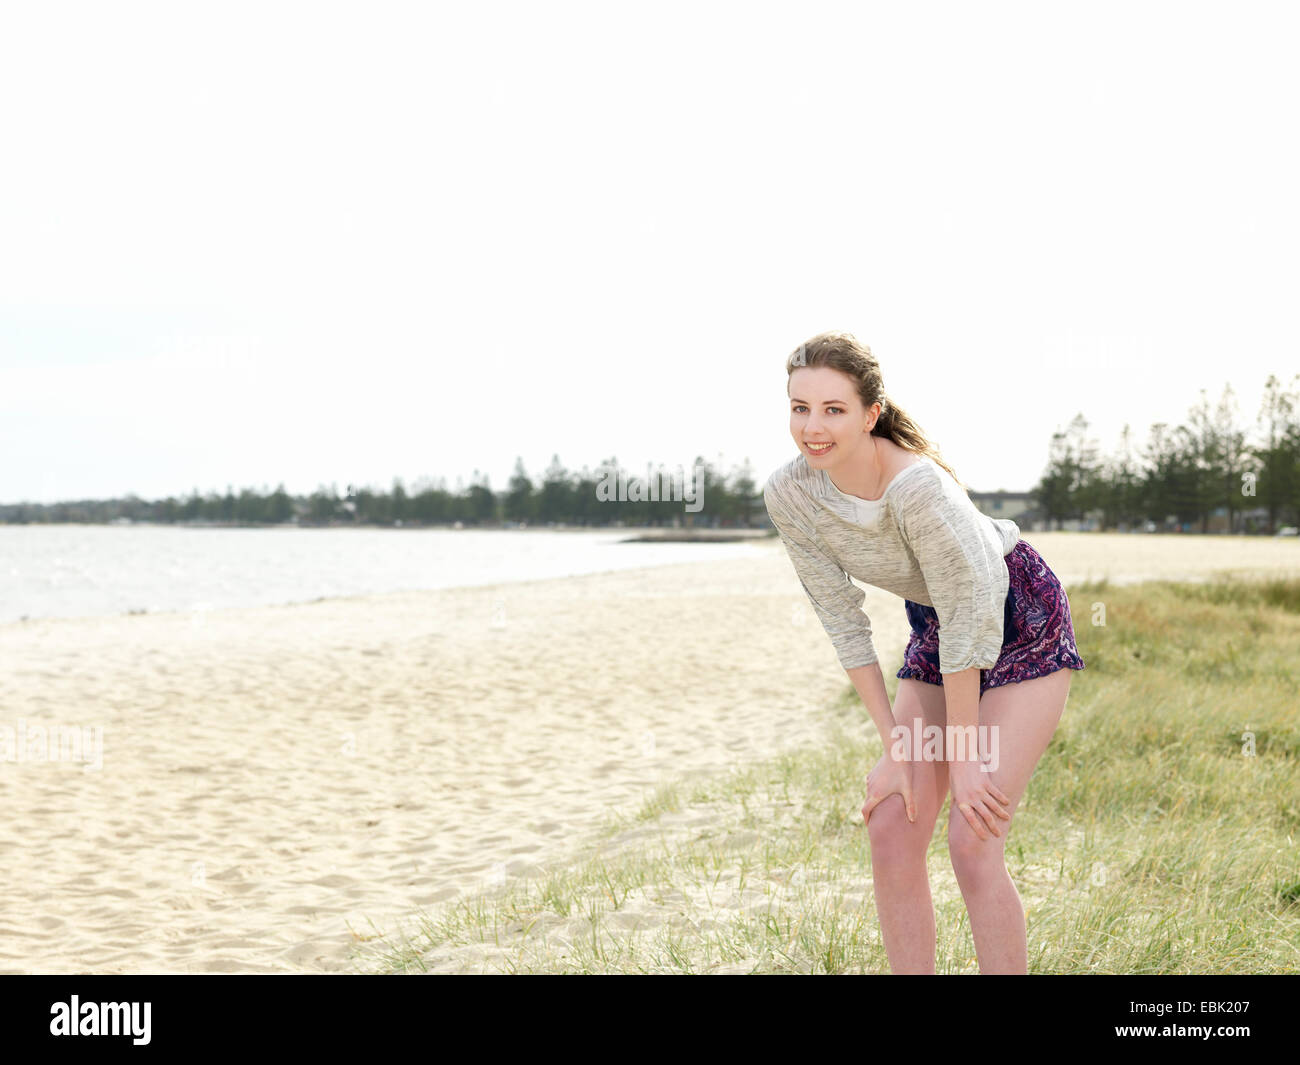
(1013, 505)
(1252, 519)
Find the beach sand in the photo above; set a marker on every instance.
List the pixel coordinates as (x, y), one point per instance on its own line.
(279, 781)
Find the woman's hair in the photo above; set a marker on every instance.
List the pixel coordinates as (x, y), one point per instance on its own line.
(844, 352)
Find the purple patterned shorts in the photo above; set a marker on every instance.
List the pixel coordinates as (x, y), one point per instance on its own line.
(1037, 633)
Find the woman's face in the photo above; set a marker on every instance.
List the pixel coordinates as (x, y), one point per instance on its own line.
(825, 410)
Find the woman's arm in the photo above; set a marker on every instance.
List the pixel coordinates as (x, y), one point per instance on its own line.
(870, 684)
(835, 599)
(961, 696)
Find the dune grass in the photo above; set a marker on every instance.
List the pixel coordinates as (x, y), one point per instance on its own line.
(1157, 835)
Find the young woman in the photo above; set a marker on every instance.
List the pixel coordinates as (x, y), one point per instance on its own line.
(992, 642)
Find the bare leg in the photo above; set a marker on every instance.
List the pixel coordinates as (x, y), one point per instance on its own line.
(899, 879)
(1026, 716)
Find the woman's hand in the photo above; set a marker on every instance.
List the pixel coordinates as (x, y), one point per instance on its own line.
(890, 775)
(977, 797)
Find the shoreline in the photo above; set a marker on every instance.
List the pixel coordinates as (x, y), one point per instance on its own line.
(190, 612)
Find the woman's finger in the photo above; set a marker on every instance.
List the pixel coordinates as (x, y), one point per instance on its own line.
(870, 805)
(986, 812)
(985, 809)
(908, 801)
(985, 816)
(972, 820)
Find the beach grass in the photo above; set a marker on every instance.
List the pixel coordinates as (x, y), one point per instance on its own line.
(1159, 833)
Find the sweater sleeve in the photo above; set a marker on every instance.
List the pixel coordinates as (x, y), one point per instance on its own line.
(959, 553)
(835, 599)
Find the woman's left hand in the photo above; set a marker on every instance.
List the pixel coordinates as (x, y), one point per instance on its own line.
(977, 797)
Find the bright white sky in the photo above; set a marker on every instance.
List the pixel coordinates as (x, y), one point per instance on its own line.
(250, 243)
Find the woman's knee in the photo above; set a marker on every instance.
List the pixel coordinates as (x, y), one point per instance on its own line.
(891, 833)
(971, 856)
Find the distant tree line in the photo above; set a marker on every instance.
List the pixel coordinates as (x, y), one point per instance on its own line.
(1182, 473)
(561, 497)
(1186, 472)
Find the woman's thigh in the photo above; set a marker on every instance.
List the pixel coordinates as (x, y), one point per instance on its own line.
(1019, 720)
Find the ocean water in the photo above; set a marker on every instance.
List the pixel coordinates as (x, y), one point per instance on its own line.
(82, 570)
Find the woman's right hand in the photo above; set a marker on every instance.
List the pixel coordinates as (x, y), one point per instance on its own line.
(890, 775)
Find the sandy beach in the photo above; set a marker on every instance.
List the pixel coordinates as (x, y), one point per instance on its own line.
(277, 781)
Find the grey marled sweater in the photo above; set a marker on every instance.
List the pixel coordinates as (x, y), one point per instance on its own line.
(923, 540)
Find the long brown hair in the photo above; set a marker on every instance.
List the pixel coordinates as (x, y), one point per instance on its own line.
(844, 352)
